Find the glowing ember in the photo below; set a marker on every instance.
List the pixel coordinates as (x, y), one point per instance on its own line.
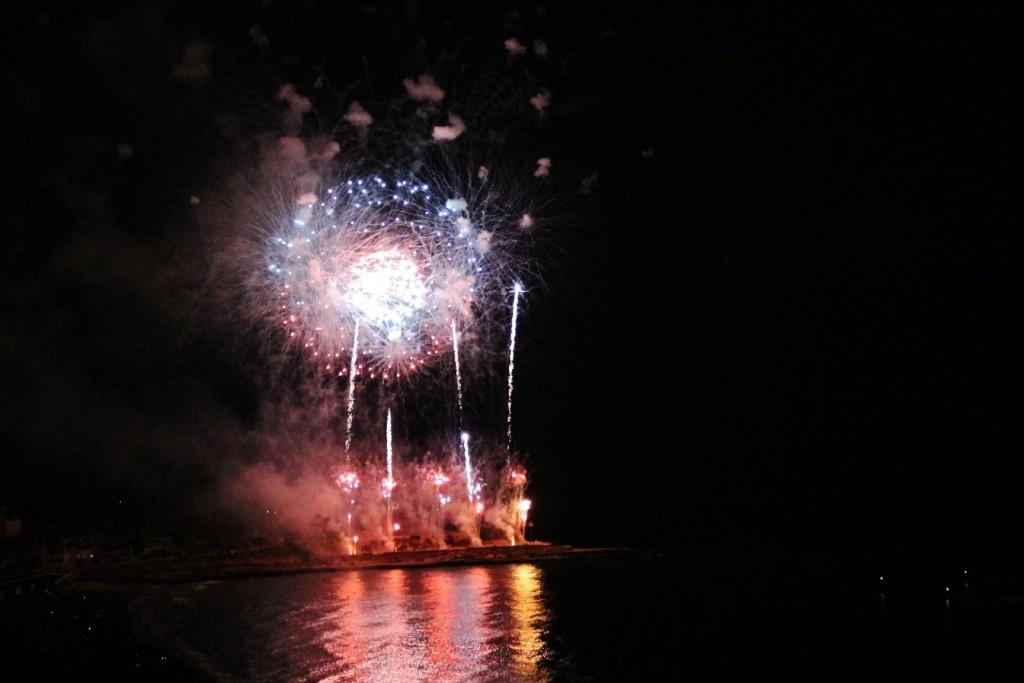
(349, 481)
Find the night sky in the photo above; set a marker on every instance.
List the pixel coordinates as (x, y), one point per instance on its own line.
(782, 316)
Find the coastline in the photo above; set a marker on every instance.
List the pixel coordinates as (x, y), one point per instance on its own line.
(135, 576)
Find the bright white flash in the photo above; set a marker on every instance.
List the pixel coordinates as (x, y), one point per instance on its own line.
(386, 289)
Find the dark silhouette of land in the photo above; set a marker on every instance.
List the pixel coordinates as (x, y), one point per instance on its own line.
(269, 562)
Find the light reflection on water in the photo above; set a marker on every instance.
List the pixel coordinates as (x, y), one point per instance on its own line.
(615, 619)
(485, 623)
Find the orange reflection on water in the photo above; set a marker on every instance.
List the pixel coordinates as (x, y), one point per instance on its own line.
(345, 632)
(529, 616)
(442, 624)
(454, 608)
(369, 632)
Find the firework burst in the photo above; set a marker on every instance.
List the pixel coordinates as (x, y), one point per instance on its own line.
(394, 251)
(414, 269)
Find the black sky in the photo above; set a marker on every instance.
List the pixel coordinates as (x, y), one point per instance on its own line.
(789, 323)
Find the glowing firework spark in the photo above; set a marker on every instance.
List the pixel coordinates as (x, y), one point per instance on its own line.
(385, 288)
(389, 267)
(512, 361)
(349, 482)
(524, 512)
(514, 485)
(458, 373)
(351, 394)
(516, 477)
(469, 466)
(389, 483)
(439, 479)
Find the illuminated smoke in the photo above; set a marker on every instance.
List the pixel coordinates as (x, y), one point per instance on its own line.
(423, 89)
(514, 47)
(359, 117)
(454, 129)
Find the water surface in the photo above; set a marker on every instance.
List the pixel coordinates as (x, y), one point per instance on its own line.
(601, 619)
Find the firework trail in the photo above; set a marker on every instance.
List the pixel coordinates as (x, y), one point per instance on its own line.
(390, 453)
(512, 363)
(458, 372)
(351, 394)
(469, 466)
(389, 483)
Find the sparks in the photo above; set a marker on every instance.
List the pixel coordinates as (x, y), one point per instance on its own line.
(458, 372)
(512, 361)
(351, 393)
(469, 466)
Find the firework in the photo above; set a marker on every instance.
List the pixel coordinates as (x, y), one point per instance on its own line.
(388, 484)
(512, 501)
(372, 280)
(512, 363)
(348, 481)
(387, 257)
(351, 394)
(438, 478)
(523, 508)
(469, 467)
(458, 374)
(390, 268)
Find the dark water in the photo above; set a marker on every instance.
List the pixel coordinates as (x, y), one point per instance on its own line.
(564, 620)
(602, 619)
(706, 616)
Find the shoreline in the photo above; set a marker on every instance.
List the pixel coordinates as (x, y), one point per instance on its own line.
(137, 576)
